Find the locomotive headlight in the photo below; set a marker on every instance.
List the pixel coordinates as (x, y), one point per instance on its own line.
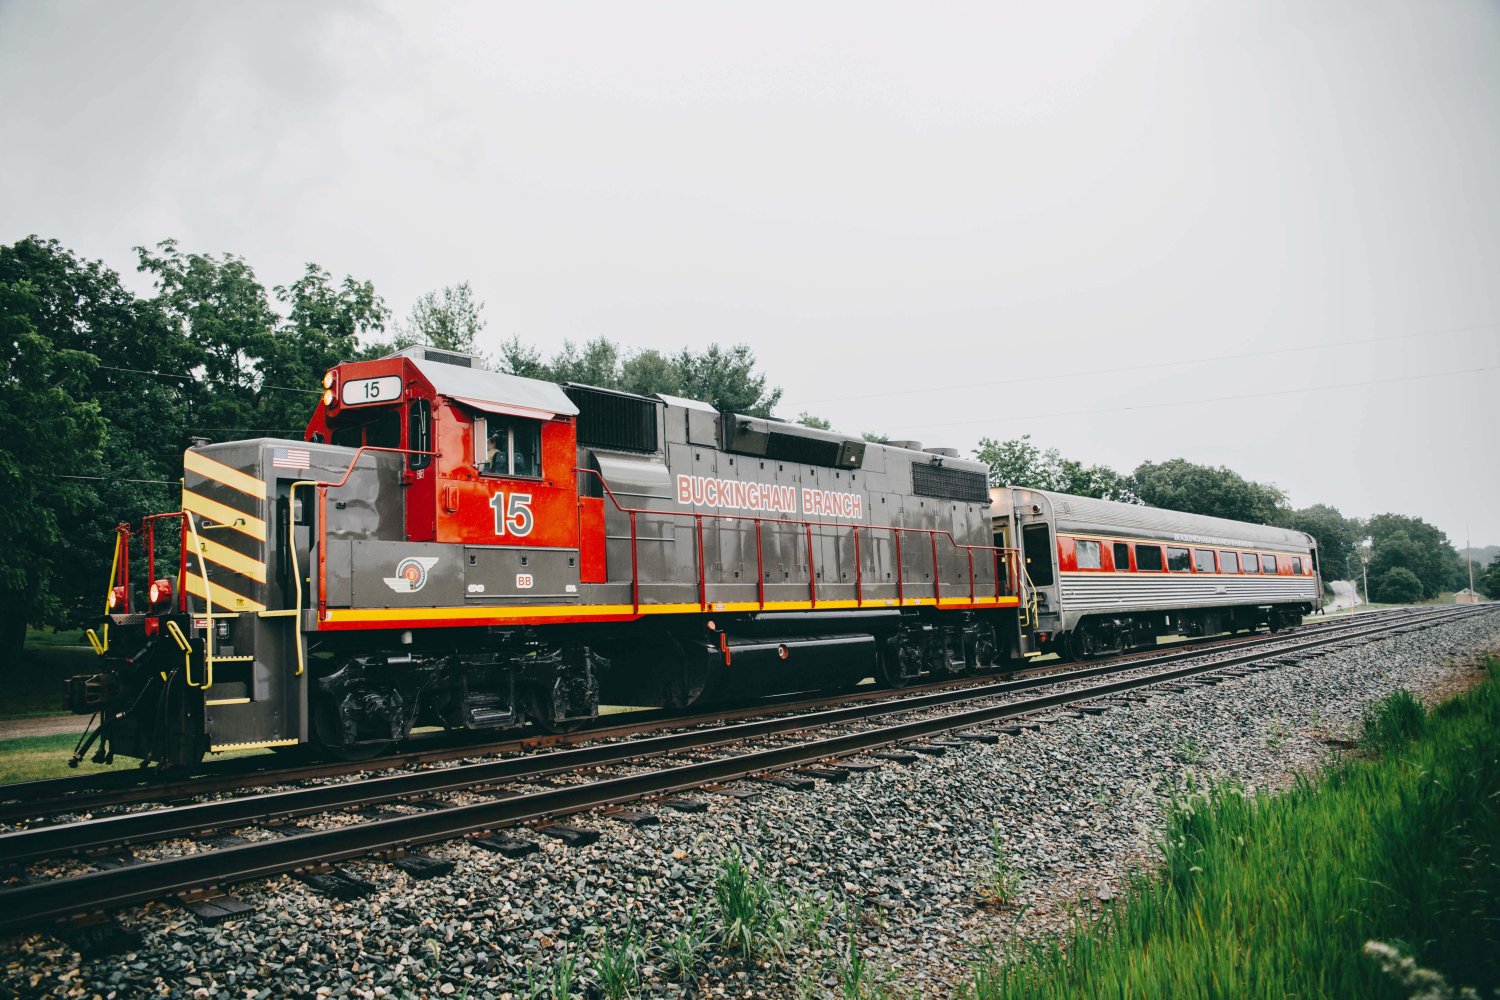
(116, 597)
(328, 379)
(160, 592)
(327, 397)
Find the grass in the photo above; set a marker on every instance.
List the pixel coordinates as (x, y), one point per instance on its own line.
(1279, 896)
(30, 758)
(1001, 881)
(35, 685)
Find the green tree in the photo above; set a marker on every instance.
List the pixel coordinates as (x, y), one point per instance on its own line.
(816, 423)
(1020, 462)
(596, 362)
(1411, 543)
(79, 420)
(648, 372)
(519, 358)
(449, 319)
(1397, 585)
(727, 380)
(1178, 484)
(1336, 536)
(1489, 583)
(323, 327)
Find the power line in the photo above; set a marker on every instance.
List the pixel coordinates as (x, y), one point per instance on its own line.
(1212, 399)
(117, 479)
(1146, 367)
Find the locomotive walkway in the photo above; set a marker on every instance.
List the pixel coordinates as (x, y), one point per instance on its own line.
(28, 906)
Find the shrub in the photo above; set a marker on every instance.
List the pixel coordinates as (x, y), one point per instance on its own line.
(1398, 585)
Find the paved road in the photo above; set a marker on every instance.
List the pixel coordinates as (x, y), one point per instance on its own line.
(41, 725)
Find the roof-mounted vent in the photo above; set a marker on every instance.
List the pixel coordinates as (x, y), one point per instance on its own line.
(942, 452)
(908, 445)
(422, 352)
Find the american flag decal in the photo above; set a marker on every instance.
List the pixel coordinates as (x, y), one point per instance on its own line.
(291, 458)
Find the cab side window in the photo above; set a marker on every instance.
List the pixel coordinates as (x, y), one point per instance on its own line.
(512, 446)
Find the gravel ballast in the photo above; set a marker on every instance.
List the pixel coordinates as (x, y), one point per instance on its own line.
(898, 855)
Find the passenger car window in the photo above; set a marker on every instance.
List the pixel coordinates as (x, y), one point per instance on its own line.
(1229, 562)
(1088, 555)
(1296, 566)
(1250, 564)
(1122, 557)
(1177, 560)
(1268, 564)
(1148, 558)
(1203, 560)
(514, 447)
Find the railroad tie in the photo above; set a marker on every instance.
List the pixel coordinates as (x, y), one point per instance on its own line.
(573, 836)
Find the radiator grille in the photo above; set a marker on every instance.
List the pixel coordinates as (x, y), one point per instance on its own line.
(928, 480)
(613, 421)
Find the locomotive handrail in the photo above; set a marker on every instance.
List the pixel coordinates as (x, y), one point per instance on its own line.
(208, 607)
(896, 532)
(322, 486)
(148, 528)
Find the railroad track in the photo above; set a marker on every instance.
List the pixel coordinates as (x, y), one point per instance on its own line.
(31, 903)
(58, 796)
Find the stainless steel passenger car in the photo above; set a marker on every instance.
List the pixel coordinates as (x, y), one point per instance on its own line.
(1106, 576)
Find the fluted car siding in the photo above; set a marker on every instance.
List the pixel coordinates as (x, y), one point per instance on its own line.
(1136, 591)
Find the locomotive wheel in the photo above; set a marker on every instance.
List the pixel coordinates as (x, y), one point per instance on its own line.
(325, 733)
(896, 663)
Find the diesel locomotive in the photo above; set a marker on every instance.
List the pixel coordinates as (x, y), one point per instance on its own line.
(460, 548)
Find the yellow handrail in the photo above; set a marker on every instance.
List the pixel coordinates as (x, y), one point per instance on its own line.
(208, 601)
(187, 651)
(101, 645)
(291, 527)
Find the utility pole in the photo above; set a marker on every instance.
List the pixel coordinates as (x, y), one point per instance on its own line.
(1469, 557)
(1364, 572)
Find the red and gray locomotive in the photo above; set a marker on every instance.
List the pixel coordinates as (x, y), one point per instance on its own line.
(459, 548)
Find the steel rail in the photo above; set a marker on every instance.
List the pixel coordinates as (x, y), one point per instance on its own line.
(35, 799)
(112, 832)
(26, 907)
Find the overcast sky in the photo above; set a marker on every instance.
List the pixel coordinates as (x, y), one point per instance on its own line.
(1134, 231)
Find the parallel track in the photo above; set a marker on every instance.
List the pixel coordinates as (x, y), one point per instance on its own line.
(29, 906)
(56, 796)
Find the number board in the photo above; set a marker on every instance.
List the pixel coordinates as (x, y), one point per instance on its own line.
(386, 389)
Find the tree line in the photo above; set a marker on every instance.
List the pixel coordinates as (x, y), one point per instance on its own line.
(102, 389)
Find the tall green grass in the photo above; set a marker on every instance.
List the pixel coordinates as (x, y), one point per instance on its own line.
(1276, 896)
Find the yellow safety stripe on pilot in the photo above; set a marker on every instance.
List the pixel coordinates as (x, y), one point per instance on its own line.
(219, 513)
(223, 596)
(204, 466)
(626, 610)
(230, 559)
